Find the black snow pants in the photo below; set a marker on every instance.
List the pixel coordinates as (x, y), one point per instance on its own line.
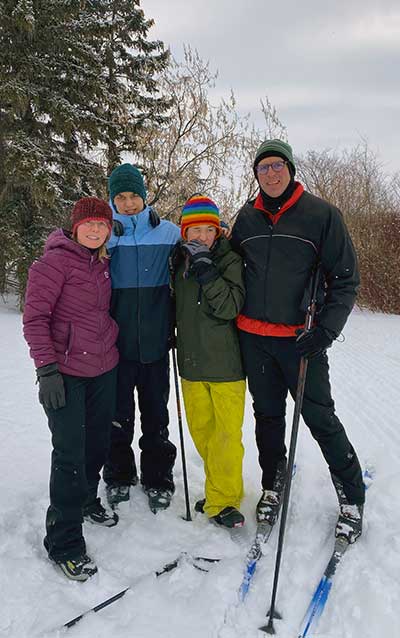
(80, 437)
(272, 367)
(158, 453)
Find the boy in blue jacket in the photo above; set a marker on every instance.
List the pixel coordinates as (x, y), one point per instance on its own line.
(140, 246)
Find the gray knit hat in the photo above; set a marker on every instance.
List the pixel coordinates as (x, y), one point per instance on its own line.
(126, 178)
(279, 148)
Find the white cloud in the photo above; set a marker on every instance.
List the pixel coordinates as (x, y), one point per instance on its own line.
(330, 68)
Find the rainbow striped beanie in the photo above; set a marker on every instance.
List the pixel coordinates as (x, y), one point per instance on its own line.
(199, 210)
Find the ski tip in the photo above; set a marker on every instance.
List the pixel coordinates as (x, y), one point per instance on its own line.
(368, 476)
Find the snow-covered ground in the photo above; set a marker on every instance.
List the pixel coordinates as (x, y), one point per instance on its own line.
(36, 599)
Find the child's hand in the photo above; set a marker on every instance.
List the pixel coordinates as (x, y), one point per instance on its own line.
(197, 252)
(200, 261)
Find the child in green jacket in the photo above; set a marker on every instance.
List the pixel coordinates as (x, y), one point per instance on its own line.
(209, 291)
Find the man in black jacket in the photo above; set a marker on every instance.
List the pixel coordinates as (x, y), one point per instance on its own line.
(282, 235)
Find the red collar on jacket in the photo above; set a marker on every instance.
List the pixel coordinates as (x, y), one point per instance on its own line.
(297, 193)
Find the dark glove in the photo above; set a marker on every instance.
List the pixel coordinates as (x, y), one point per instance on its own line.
(51, 387)
(200, 261)
(197, 252)
(311, 343)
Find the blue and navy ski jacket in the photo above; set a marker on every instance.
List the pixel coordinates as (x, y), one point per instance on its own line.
(140, 302)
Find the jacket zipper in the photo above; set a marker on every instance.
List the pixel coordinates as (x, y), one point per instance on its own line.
(271, 229)
(134, 228)
(103, 358)
(70, 342)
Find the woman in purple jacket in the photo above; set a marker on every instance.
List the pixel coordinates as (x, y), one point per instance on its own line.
(72, 341)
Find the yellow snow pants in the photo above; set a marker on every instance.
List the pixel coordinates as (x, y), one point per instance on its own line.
(214, 413)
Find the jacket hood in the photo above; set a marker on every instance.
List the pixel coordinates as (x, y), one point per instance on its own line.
(61, 238)
(138, 220)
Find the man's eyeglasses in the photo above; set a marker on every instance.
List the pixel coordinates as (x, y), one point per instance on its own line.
(262, 169)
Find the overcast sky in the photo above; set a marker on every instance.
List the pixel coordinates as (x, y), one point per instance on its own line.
(330, 67)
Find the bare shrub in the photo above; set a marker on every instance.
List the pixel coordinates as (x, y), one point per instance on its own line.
(205, 146)
(356, 183)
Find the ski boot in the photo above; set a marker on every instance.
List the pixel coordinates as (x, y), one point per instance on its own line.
(350, 520)
(98, 515)
(270, 502)
(199, 505)
(229, 517)
(117, 494)
(80, 568)
(159, 498)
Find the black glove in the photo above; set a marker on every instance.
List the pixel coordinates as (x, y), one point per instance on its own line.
(51, 387)
(200, 260)
(311, 343)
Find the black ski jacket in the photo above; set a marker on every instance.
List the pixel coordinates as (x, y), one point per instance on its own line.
(279, 260)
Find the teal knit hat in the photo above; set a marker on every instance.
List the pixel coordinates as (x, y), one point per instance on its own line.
(126, 178)
(275, 147)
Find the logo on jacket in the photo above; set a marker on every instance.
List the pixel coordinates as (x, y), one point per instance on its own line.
(106, 274)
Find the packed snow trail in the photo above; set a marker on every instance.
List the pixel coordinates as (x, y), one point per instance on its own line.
(366, 596)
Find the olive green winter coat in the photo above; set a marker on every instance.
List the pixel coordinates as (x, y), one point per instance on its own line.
(207, 340)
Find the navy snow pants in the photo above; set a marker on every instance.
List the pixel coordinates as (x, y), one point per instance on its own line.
(158, 453)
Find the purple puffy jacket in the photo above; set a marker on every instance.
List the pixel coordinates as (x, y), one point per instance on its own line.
(66, 317)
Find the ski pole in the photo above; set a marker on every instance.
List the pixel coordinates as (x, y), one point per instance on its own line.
(178, 409)
(269, 627)
(168, 567)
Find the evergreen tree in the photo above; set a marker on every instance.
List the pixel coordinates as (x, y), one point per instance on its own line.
(76, 82)
(50, 81)
(132, 67)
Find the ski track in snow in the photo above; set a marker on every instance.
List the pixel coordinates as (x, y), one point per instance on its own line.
(37, 599)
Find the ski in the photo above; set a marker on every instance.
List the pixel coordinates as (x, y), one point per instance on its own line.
(320, 596)
(199, 562)
(255, 552)
(321, 593)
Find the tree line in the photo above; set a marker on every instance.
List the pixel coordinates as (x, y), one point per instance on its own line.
(83, 87)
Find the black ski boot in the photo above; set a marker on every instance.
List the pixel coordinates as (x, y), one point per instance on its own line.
(80, 568)
(98, 515)
(229, 517)
(159, 498)
(117, 494)
(270, 502)
(350, 520)
(199, 505)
